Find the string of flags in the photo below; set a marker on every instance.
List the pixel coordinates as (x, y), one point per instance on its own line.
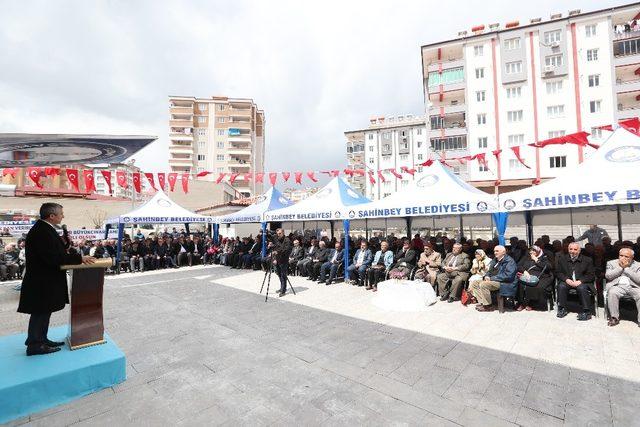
(168, 181)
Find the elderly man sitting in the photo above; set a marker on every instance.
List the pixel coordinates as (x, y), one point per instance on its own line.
(9, 262)
(623, 280)
(575, 270)
(455, 268)
(501, 275)
(361, 261)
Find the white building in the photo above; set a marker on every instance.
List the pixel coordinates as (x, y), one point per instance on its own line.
(500, 86)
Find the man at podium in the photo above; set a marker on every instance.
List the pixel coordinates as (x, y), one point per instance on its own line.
(44, 286)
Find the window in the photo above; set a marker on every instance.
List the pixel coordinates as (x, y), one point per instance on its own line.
(385, 195)
(419, 131)
(453, 75)
(404, 157)
(220, 144)
(514, 164)
(594, 106)
(558, 162)
(514, 92)
(590, 30)
(482, 119)
(596, 133)
(517, 139)
(370, 136)
(594, 80)
(220, 119)
(556, 133)
(404, 182)
(482, 142)
(554, 87)
(437, 122)
(387, 184)
(419, 156)
(553, 60)
(551, 37)
(479, 73)
(512, 44)
(371, 161)
(202, 107)
(202, 131)
(482, 168)
(386, 135)
(201, 144)
(449, 143)
(626, 47)
(219, 170)
(514, 116)
(220, 107)
(371, 148)
(200, 157)
(555, 111)
(202, 119)
(480, 95)
(220, 132)
(419, 144)
(420, 169)
(386, 147)
(220, 157)
(478, 50)
(592, 55)
(513, 67)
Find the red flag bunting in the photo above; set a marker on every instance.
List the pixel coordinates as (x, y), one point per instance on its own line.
(172, 177)
(381, 177)
(298, 177)
(107, 177)
(203, 173)
(482, 160)
(405, 169)
(334, 173)
(516, 152)
(394, 173)
(89, 181)
(10, 171)
(51, 171)
(220, 177)
(34, 175)
(349, 172)
(312, 176)
(121, 179)
(273, 177)
(285, 176)
(427, 163)
(72, 176)
(359, 172)
(233, 177)
(135, 177)
(247, 176)
(151, 180)
(372, 180)
(260, 177)
(185, 183)
(632, 125)
(161, 180)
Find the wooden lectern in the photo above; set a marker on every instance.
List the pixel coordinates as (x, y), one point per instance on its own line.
(86, 325)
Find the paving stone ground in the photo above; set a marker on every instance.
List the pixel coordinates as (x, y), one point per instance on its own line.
(203, 348)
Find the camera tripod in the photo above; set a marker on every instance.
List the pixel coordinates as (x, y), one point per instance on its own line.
(267, 278)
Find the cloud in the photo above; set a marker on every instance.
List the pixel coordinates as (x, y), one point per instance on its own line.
(317, 69)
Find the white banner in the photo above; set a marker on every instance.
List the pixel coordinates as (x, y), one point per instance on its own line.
(15, 228)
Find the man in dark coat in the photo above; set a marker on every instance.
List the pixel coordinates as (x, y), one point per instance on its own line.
(44, 287)
(281, 249)
(576, 271)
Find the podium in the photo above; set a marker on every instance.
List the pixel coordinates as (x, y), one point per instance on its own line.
(86, 323)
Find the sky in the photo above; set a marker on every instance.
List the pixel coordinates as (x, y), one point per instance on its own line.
(317, 69)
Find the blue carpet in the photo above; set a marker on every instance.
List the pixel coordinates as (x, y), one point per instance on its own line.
(32, 384)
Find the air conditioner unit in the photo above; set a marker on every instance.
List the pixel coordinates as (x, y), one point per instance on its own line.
(548, 69)
(555, 45)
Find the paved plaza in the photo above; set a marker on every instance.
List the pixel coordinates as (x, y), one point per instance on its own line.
(203, 348)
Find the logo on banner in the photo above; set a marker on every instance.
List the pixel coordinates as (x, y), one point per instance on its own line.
(509, 204)
(352, 214)
(164, 203)
(261, 198)
(427, 181)
(625, 154)
(482, 206)
(338, 214)
(126, 219)
(324, 193)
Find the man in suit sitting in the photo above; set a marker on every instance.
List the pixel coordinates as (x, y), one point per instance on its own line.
(296, 255)
(336, 257)
(44, 287)
(623, 280)
(320, 257)
(576, 271)
(361, 261)
(455, 266)
(310, 252)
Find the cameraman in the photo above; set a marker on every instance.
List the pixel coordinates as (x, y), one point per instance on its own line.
(280, 250)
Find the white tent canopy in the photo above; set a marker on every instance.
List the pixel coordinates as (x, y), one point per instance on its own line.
(434, 192)
(272, 199)
(608, 177)
(337, 200)
(159, 210)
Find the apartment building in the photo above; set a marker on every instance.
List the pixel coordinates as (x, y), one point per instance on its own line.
(388, 143)
(219, 135)
(499, 86)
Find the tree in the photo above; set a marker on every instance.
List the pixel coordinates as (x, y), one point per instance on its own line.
(98, 217)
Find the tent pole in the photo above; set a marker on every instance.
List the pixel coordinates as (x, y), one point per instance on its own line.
(386, 229)
(528, 219)
(264, 239)
(571, 219)
(119, 246)
(619, 215)
(461, 228)
(366, 228)
(331, 223)
(317, 233)
(408, 219)
(345, 226)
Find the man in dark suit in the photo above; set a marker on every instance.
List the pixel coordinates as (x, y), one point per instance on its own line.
(296, 255)
(44, 287)
(320, 257)
(576, 271)
(335, 258)
(280, 250)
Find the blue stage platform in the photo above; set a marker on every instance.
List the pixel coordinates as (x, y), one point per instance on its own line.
(32, 384)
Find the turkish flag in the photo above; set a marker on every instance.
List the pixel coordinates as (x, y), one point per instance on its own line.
(203, 173)
(372, 180)
(107, 177)
(334, 173)
(161, 180)
(260, 177)
(394, 173)
(121, 179)
(89, 181)
(482, 160)
(185, 183)
(72, 176)
(51, 171)
(10, 171)
(247, 176)
(285, 176)
(312, 176)
(172, 178)
(298, 177)
(516, 152)
(427, 163)
(136, 182)
(151, 180)
(359, 172)
(233, 177)
(219, 179)
(407, 170)
(34, 174)
(273, 177)
(348, 172)
(381, 176)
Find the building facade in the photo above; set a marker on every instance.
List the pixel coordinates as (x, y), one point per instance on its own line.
(501, 86)
(219, 135)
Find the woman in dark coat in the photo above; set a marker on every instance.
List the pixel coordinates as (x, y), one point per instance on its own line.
(535, 263)
(405, 260)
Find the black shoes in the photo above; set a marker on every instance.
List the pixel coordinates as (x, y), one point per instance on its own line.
(54, 343)
(328, 283)
(41, 349)
(562, 312)
(450, 300)
(444, 297)
(584, 316)
(281, 294)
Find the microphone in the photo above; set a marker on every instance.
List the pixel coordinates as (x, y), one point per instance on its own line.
(65, 236)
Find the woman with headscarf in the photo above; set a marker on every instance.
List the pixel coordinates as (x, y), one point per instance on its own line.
(479, 268)
(536, 280)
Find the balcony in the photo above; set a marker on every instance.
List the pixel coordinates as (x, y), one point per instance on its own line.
(240, 112)
(627, 86)
(626, 35)
(455, 63)
(181, 123)
(436, 110)
(628, 111)
(239, 151)
(238, 165)
(180, 136)
(180, 148)
(243, 137)
(174, 161)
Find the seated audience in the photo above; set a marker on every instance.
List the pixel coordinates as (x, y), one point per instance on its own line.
(428, 264)
(535, 280)
(623, 280)
(296, 255)
(382, 262)
(455, 272)
(404, 261)
(575, 271)
(320, 257)
(501, 276)
(335, 258)
(361, 261)
(310, 252)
